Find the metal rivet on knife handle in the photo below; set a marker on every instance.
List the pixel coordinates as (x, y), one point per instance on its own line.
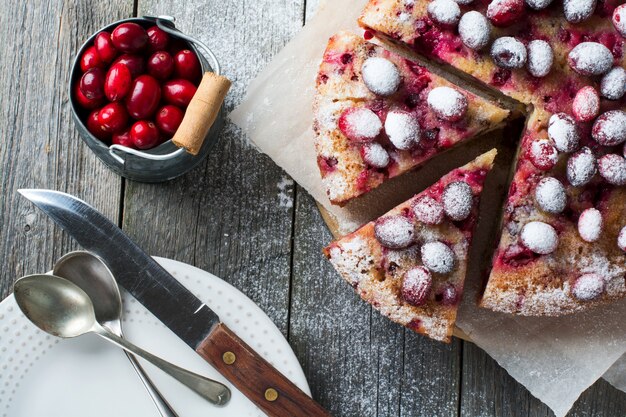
(229, 358)
(271, 394)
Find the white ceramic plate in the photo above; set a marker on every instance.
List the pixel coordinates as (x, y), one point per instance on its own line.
(42, 376)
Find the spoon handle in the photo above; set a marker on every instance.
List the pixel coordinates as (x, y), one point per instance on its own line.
(161, 404)
(213, 391)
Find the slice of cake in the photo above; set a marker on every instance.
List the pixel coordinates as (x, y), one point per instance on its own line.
(378, 115)
(410, 263)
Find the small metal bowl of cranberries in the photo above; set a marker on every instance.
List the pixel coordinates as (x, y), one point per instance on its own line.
(129, 89)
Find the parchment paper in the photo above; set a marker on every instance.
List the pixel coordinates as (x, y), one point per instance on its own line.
(556, 359)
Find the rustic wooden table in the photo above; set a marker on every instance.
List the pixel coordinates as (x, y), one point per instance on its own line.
(237, 216)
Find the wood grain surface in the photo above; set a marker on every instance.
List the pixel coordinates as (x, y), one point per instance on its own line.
(237, 216)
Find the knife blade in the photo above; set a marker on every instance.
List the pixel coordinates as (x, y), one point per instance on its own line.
(181, 311)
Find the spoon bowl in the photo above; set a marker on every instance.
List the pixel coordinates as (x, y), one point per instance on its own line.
(55, 305)
(91, 274)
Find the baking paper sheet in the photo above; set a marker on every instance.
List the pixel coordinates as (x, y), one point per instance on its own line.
(556, 359)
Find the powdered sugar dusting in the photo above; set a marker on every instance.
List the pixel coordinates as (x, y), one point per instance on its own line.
(543, 154)
(619, 19)
(621, 239)
(508, 52)
(590, 225)
(586, 105)
(394, 232)
(540, 58)
(577, 11)
(428, 210)
(445, 12)
(403, 129)
(613, 84)
(550, 195)
(612, 168)
(588, 287)
(438, 257)
(381, 76)
(539, 237)
(360, 124)
(474, 30)
(416, 285)
(350, 257)
(447, 103)
(564, 133)
(538, 4)
(581, 167)
(375, 155)
(590, 58)
(610, 128)
(457, 200)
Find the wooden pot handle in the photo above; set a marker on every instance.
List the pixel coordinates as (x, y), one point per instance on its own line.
(270, 390)
(201, 112)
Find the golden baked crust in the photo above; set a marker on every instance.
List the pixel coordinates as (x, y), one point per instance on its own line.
(376, 272)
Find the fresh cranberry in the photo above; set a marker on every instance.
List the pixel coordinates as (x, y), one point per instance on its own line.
(186, 65)
(610, 128)
(157, 39)
(543, 155)
(129, 37)
(179, 92)
(95, 128)
(144, 134)
(360, 124)
(394, 232)
(168, 119)
(92, 84)
(505, 12)
(144, 96)
(123, 138)
(117, 82)
(90, 59)
(517, 255)
(160, 65)
(448, 295)
(113, 117)
(588, 287)
(135, 64)
(104, 46)
(84, 102)
(586, 105)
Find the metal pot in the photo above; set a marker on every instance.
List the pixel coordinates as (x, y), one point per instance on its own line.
(165, 161)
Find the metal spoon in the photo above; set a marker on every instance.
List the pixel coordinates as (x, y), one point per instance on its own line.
(92, 276)
(60, 308)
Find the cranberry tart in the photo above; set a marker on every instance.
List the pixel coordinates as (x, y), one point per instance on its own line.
(562, 244)
(378, 115)
(410, 264)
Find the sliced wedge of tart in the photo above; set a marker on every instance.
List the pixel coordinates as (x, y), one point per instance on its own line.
(378, 115)
(410, 264)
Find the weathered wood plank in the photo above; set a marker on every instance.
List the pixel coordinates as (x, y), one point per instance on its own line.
(40, 147)
(233, 215)
(358, 362)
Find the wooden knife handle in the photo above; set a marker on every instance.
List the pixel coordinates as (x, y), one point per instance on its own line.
(270, 390)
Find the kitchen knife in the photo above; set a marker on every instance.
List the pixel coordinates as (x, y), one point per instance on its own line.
(190, 319)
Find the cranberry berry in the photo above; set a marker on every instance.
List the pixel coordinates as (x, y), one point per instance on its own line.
(160, 65)
(84, 102)
(179, 92)
(416, 285)
(129, 38)
(394, 232)
(360, 124)
(586, 105)
(95, 128)
(92, 84)
(105, 48)
(135, 64)
(144, 134)
(168, 119)
(113, 117)
(187, 65)
(143, 98)
(505, 12)
(90, 59)
(123, 138)
(543, 155)
(117, 83)
(157, 39)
